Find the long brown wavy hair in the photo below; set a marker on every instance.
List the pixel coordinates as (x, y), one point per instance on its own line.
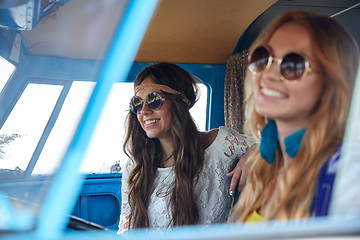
(338, 56)
(146, 153)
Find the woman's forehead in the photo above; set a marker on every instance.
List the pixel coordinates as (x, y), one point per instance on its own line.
(291, 37)
(155, 88)
(144, 87)
(143, 92)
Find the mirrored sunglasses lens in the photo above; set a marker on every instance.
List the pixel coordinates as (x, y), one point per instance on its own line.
(292, 66)
(136, 104)
(259, 59)
(154, 101)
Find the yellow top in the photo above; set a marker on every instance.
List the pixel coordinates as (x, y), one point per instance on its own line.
(254, 217)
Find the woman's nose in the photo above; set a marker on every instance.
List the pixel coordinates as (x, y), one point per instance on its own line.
(272, 73)
(145, 109)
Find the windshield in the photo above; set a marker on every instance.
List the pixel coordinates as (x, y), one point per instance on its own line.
(60, 58)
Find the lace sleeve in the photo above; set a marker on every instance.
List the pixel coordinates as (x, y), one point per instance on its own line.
(212, 189)
(237, 143)
(125, 206)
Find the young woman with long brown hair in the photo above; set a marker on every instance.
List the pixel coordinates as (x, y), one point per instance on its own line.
(303, 69)
(176, 174)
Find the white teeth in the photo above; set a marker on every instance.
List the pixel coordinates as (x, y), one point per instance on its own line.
(150, 121)
(272, 93)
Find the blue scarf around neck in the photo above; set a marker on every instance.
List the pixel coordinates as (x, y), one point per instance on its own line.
(270, 141)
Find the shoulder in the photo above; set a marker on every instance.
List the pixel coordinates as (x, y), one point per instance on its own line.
(209, 137)
(233, 136)
(127, 167)
(226, 134)
(228, 139)
(221, 132)
(129, 163)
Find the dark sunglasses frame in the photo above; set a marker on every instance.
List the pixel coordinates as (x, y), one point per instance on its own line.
(282, 64)
(158, 99)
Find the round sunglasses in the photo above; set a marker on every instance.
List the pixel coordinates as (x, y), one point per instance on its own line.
(292, 67)
(153, 100)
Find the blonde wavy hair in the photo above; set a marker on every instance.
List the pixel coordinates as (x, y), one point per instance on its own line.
(338, 56)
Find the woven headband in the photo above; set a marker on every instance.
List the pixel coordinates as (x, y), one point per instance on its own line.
(162, 88)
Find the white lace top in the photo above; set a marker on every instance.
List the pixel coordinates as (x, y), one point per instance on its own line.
(211, 191)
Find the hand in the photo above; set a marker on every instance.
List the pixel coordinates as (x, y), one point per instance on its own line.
(238, 174)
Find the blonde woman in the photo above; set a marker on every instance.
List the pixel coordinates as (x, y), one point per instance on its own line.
(303, 69)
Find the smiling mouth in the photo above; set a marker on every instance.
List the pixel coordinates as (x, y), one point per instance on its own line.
(148, 122)
(272, 93)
